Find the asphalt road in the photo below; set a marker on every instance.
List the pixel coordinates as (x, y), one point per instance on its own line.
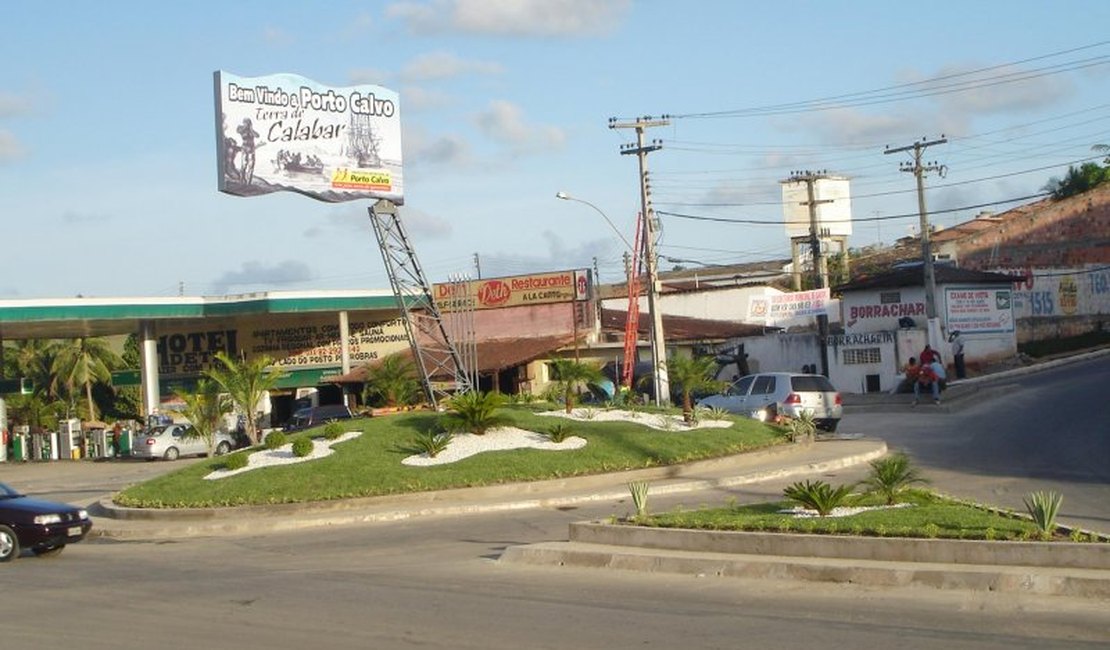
(1039, 431)
(435, 582)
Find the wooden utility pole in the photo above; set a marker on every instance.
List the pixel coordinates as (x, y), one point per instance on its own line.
(918, 170)
(820, 267)
(658, 339)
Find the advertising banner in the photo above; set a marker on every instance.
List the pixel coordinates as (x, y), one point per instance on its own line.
(515, 291)
(283, 132)
(971, 310)
(307, 342)
(774, 307)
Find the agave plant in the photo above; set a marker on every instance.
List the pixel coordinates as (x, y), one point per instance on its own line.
(818, 495)
(639, 490)
(803, 427)
(558, 433)
(890, 476)
(1043, 508)
(431, 443)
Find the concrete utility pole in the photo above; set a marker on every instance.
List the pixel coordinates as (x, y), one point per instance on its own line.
(658, 340)
(919, 170)
(820, 268)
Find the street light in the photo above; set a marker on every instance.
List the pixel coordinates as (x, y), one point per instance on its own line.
(566, 197)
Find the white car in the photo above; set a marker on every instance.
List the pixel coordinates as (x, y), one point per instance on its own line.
(172, 441)
(764, 395)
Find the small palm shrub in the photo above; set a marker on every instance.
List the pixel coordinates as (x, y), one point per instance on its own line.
(235, 461)
(1043, 508)
(818, 495)
(803, 427)
(333, 430)
(431, 443)
(890, 476)
(712, 413)
(473, 412)
(275, 440)
(302, 447)
(639, 490)
(558, 433)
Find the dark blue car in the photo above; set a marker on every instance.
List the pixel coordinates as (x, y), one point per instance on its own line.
(44, 527)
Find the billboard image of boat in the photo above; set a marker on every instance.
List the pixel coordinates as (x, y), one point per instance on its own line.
(284, 132)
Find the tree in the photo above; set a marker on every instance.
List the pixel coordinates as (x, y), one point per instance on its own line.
(570, 375)
(393, 382)
(1078, 180)
(204, 408)
(693, 375)
(245, 382)
(80, 363)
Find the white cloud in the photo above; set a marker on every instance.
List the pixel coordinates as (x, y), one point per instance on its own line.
(10, 149)
(442, 65)
(567, 18)
(988, 94)
(504, 122)
(14, 105)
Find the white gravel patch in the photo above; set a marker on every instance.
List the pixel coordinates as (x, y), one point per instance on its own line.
(464, 445)
(659, 421)
(842, 511)
(321, 448)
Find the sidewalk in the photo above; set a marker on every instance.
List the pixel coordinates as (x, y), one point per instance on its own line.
(781, 462)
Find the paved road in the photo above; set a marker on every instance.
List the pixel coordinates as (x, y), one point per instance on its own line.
(1037, 431)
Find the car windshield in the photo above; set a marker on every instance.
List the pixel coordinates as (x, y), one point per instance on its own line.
(7, 492)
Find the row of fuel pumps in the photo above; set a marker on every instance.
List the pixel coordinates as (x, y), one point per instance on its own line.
(69, 442)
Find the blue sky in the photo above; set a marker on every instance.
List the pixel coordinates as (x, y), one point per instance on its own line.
(108, 161)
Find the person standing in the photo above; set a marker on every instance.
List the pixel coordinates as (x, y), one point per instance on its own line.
(928, 355)
(957, 341)
(117, 432)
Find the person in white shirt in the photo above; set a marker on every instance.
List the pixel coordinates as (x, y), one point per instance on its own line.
(957, 341)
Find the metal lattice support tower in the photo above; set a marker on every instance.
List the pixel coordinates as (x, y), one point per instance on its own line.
(432, 347)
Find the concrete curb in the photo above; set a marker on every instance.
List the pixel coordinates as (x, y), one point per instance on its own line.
(784, 462)
(1042, 568)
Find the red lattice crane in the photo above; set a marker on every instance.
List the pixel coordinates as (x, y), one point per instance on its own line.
(632, 323)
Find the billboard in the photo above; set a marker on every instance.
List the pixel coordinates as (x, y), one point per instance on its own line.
(283, 132)
(774, 307)
(515, 291)
(834, 206)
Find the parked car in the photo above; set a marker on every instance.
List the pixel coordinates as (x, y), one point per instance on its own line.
(44, 527)
(312, 416)
(764, 395)
(175, 440)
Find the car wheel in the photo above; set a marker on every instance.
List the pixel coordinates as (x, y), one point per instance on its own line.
(172, 453)
(53, 551)
(222, 448)
(829, 426)
(9, 544)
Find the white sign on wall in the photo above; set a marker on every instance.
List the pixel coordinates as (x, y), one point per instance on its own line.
(983, 309)
(776, 307)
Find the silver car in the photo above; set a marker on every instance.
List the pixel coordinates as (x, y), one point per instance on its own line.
(764, 395)
(174, 440)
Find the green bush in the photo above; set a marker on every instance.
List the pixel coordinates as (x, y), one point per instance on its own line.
(302, 447)
(430, 443)
(333, 430)
(235, 461)
(274, 440)
(891, 476)
(558, 433)
(474, 412)
(818, 495)
(1043, 508)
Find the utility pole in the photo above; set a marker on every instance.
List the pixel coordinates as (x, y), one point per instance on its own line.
(477, 266)
(658, 340)
(820, 267)
(918, 170)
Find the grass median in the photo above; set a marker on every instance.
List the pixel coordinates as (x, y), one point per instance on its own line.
(370, 465)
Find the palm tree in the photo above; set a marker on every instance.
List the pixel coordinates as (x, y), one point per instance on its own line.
(393, 381)
(693, 375)
(80, 363)
(204, 408)
(570, 374)
(245, 382)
